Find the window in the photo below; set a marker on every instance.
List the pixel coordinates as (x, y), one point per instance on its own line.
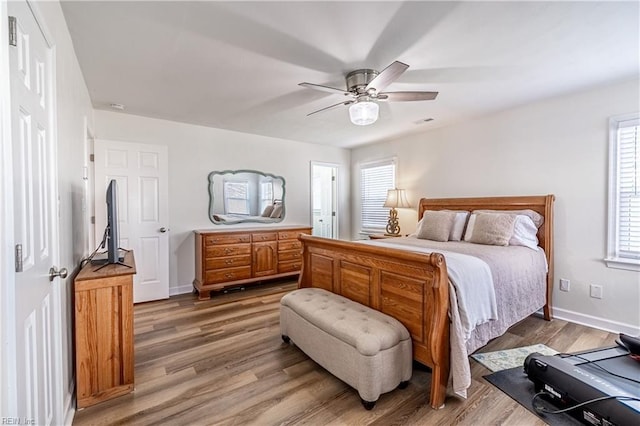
(375, 179)
(266, 194)
(236, 197)
(624, 193)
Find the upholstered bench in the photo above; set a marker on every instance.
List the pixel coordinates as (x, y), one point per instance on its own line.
(367, 349)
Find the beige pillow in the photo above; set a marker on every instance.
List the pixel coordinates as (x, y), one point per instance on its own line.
(436, 225)
(537, 218)
(493, 229)
(267, 211)
(277, 211)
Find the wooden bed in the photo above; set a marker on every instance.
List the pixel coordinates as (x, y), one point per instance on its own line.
(412, 287)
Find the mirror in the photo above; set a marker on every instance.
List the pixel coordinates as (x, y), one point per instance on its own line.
(237, 196)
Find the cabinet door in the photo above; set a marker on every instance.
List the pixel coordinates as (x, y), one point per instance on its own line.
(265, 261)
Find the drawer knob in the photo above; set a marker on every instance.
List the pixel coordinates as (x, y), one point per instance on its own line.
(227, 250)
(229, 275)
(228, 262)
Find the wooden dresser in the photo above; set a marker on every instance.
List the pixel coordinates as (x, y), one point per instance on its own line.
(226, 258)
(104, 331)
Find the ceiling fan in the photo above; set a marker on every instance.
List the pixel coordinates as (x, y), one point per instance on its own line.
(365, 88)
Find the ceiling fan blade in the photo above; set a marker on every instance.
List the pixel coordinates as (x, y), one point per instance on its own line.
(331, 106)
(387, 76)
(407, 96)
(326, 89)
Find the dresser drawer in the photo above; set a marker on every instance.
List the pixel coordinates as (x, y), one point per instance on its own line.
(226, 262)
(229, 250)
(264, 236)
(283, 256)
(289, 235)
(289, 267)
(211, 240)
(289, 245)
(228, 274)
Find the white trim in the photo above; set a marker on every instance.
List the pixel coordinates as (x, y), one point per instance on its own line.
(88, 186)
(596, 322)
(69, 409)
(183, 289)
(8, 398)
(623, 263)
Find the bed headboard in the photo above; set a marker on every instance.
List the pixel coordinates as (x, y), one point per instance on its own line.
(542, 204)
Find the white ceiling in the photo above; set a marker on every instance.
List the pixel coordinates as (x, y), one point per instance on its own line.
(237, 65)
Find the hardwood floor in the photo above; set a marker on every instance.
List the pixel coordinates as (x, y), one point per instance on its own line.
(222, 361)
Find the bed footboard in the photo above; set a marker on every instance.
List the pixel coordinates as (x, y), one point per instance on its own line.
(411, 287)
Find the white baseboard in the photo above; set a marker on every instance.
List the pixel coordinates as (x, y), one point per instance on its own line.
(596, 322)
(183, 289)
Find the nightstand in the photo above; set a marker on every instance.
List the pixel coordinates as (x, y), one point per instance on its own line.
(382, 236)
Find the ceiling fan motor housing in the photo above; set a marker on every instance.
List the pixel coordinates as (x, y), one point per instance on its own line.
(357, 80)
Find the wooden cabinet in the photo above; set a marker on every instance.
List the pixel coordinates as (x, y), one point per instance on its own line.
(103, 302)
(227, 258)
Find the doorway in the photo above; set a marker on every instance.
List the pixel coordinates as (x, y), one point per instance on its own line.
(324, 181)
(142, 175)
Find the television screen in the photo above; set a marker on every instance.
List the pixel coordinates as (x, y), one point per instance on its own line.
(113, 241)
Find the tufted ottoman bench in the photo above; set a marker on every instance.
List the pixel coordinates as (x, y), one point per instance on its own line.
(365, 348)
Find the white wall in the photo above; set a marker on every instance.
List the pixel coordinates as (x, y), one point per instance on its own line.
(556, 146)
(194, 151)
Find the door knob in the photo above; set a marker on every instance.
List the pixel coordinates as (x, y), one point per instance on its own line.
(163, 229)
(62, 273)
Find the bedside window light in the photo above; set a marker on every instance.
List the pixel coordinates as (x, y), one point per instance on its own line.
(363, 113)
(396, 198)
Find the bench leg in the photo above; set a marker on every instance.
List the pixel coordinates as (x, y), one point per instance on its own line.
(286, 339)
(368, 405)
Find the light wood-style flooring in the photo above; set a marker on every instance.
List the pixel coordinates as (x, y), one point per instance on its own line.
(222, 362)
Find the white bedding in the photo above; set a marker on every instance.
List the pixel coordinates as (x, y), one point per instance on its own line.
(519, 287)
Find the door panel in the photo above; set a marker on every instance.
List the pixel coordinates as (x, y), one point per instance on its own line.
(141, 171)
(37, 387)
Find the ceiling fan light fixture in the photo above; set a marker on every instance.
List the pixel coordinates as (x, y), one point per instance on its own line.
(363, 113)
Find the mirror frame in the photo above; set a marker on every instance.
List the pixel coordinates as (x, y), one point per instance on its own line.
(242, 220)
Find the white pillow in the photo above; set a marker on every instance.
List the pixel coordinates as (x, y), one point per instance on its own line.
(470, 224)
(458, 226)
(524, 233)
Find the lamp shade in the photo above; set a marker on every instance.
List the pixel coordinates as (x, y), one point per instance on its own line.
(363, 113)
(396, 198)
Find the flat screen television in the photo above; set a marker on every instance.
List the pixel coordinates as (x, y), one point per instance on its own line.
(111, 234)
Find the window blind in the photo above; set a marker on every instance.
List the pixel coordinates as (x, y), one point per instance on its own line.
(628, 188)
(236, 197)
(375, 180)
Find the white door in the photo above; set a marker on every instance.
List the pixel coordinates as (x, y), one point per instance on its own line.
(37, 336)
(324, 199)
(141, 171)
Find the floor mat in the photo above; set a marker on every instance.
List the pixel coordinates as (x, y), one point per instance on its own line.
(515, 383)
(510, 358)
